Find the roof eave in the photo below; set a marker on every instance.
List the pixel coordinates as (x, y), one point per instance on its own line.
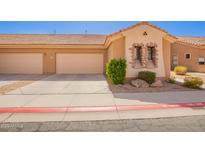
(77, 46)
(139, 24)
(111, 38)
(170, 38)
(191, 44)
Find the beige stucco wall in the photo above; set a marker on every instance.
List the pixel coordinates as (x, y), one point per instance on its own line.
(49, 55)
(116, 49)
(180, 50)
(135, 35)
(167, 56)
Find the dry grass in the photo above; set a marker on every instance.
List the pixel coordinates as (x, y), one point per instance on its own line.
(13, 86)
(19, 84)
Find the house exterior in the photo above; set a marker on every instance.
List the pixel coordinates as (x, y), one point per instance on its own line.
(144, 46)
(190, 52)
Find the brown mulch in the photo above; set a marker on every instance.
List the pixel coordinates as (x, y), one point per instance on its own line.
(128, 88)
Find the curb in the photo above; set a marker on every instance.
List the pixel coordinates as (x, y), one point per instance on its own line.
(99, 108)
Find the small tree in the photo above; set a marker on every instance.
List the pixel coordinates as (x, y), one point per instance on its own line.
(116, 70)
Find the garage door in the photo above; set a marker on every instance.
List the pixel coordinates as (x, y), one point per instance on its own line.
(79, 63)
(21, 63)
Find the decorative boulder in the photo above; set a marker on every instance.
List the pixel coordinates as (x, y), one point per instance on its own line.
(157, 83)
(139, 83)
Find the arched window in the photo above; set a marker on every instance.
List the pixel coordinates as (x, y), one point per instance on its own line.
(138, 53)
(151, 52)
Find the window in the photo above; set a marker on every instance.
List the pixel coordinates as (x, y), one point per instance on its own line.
(150, 53)
(174, 60)
(138, 53)
(187, 56)
(201, 61)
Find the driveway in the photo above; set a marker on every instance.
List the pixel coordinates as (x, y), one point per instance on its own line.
(61, 90)
(89, 90)
(6, 79)
(66, 84)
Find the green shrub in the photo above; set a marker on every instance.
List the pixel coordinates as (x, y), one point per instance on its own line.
(147, 76)
(116, 70)
(193, 82)
(180, 70)
(171, 80)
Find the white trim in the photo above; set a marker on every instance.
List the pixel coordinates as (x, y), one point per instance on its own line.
(175, 59)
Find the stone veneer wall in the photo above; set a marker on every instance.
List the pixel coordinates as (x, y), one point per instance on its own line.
(144, 63)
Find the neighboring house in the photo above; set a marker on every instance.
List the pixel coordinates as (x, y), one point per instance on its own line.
(190, 52)
(144, 46)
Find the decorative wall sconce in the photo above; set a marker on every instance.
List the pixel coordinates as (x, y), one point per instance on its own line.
(145, 33)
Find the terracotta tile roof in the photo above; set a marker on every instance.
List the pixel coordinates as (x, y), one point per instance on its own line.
(192, 40)
(51, 39)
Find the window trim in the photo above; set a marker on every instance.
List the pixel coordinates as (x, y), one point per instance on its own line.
(143, 62)
(136, 53)
(174, 59)
(189, 56)
(203, 63)
(151, 52)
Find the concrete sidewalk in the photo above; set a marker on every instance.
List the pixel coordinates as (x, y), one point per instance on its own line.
(94, 99)
(90, 90)
(100, 100)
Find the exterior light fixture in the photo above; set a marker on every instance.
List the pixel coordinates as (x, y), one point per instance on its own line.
(145, 33)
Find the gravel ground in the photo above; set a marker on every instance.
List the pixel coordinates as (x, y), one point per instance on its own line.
(178, 124)
(128, 88)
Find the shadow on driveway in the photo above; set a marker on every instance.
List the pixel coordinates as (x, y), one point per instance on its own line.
(161, 97)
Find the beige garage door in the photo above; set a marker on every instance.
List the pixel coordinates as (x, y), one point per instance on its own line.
(21, 63)
(70, 63)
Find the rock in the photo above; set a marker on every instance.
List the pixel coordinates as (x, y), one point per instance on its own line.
(139, 83)
(157, 83)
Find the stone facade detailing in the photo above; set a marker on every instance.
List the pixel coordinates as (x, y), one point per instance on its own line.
(143, 62)
(137, 63)
(154, 62)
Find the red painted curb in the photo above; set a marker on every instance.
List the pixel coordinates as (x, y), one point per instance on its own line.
(160, 106)
(98, 108)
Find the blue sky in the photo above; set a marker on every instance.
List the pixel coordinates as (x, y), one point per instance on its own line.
(185, 28)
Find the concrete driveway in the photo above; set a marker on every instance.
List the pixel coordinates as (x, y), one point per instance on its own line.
(66, 84)
(6, 79)
(61, 90)
(88, 90)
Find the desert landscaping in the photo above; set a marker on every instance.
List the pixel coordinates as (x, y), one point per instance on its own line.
(146, 81)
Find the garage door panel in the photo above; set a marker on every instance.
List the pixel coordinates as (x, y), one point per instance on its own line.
(79, 63)
(21, 63)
